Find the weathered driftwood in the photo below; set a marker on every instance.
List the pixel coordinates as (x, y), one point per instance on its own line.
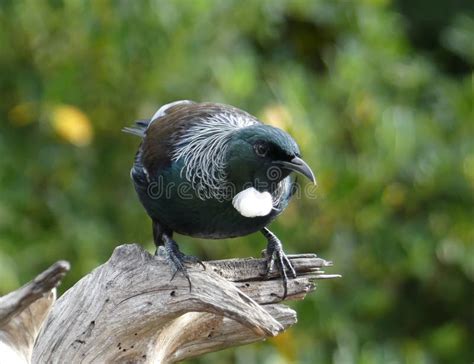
(23, 311)
(128, 310)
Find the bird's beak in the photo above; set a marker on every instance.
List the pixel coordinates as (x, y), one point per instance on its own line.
(300, 166)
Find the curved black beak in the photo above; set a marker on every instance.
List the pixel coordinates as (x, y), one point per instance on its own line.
(300, 166)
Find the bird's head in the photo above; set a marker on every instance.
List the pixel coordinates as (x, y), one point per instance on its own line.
(261, 154)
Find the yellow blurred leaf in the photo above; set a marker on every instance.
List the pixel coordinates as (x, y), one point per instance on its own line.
(72, 125)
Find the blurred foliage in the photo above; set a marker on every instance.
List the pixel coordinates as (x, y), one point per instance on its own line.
(378, 94)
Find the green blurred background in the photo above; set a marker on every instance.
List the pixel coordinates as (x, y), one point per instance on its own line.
(378, 93)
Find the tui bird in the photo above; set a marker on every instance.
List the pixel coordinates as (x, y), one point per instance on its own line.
(213, 171)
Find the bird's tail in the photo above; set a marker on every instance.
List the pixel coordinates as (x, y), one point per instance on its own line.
(138, 129)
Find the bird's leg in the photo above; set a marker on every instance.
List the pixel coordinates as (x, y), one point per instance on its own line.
(176, 259)
(275, 254)
(157, 235)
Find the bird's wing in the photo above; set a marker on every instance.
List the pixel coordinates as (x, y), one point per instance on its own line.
(140, 127)
(138, 173)
(165, 109)
(196, 134)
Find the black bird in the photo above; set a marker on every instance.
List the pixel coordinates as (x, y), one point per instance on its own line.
(214, 171)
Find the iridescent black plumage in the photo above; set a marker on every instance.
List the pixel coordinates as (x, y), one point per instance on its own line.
(197, 158)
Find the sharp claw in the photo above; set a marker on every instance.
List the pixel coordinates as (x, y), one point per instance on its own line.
(278, 257)
(177, 259)
(282, 266)
(174, 274)
(270, 263)
(182, 269)
(192, 259)
(285, 288)
(189, 281)
(289, 266)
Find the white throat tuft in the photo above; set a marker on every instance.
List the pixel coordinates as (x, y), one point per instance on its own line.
(252, 203)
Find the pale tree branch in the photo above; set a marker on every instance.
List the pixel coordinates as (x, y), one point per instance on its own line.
(23, 311)
(129, 311)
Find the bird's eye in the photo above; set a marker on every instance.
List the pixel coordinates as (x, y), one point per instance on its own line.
(261, 149)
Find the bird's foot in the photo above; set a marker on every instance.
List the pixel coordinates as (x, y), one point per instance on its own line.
(178, 260)
(276, 256)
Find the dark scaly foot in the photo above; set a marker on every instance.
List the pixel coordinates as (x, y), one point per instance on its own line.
(275, 254)
(177, 259)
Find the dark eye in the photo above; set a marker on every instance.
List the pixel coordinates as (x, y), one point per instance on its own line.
(261, 149)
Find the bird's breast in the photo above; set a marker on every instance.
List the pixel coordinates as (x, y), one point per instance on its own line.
(172, 200)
